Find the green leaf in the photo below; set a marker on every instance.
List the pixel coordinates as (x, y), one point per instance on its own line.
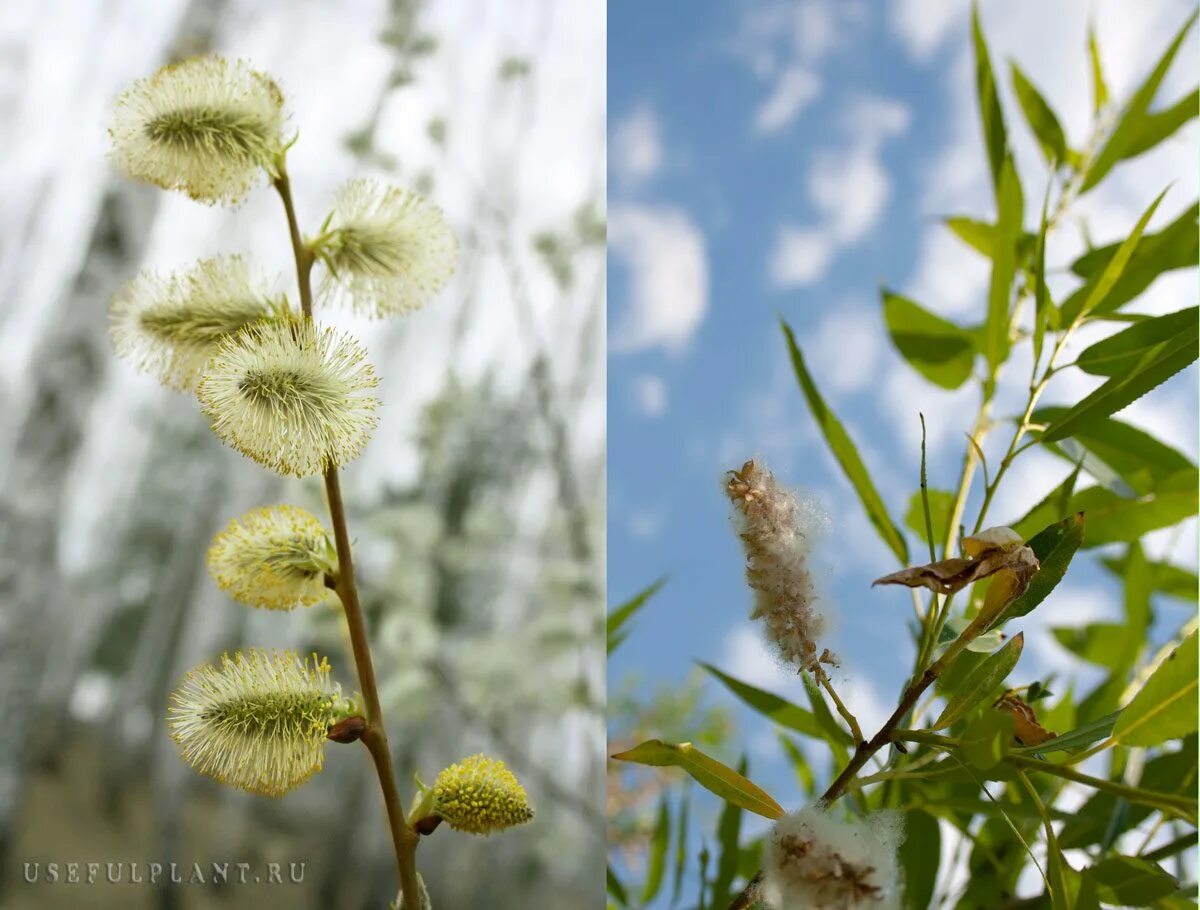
(707, 772)
(1100, 643)
(776, 709)
(1165, 708)
(981, 236)
(622, 614)
(1130, 882)
(981, 683)
(1054, 547)
(800, 764)
(941, 502)
(936, 348)
(1041, 119)
(1121, 352)
(987, 738)
(834, 733)
(847, 456)
(1094, 294)
(1165, 578)
(1177, 246)
(728, 834)
(1139, 459)
(681, 844)
(1009, 206)
(919, 855)
(991, 114)
(1076, 740)
(1159, 126)
(1053, 508)
(1153, 369)
(615, 889)
(1099, 86)
(1045, 314)
(1125, 135)
(656, 864)
(1115, 519)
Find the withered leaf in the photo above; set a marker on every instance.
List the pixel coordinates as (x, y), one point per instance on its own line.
(1025, 723)
(989, 552)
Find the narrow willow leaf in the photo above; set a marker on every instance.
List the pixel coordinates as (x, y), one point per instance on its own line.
(1100, 643)
(1077, 306)
(936, 348)
(1009, 206)
(1165, 578)
(919, 855)
(1132, 120)
(1140, 460)
(1154, 368)
(1161, 125)
(728, 834)
(925, 511)
(681, 845)
(1054, 548)
(616, 890)
(800, 764)
(991, 115)
(847, 456)
(1041, 119)
(1076, 740)
(1044, 314)
(986, 740)
(1119, 353)
(1128, 881)
(1099, 86)
(707, 772)
(656, 863)
(981, 683)
(622, 614)
(1176, 246)
(771, 706)
(1115, 519)
(1165, 708)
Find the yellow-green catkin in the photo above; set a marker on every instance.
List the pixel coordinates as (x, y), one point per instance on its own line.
(206, 126)
(275, 558)
(292, 396)
(257, 720)
(480, 795)
(386, 250)
(169, 324)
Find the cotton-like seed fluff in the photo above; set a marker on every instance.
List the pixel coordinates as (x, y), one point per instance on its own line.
(206, 126)
(777, 529)
(480, 795)
(257, 721)
(275, 558)
(169, 324)
(815, 861)
(387, 250)
(291, 396)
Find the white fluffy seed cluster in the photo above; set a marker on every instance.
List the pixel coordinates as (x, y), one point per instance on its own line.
(291, 396)
(169, 324)
(387, 250)
(257, 721)
(814, 861)
(206, 126)
(777, 528)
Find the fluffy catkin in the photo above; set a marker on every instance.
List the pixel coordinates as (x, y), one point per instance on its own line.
(777, 529)
(815, 861)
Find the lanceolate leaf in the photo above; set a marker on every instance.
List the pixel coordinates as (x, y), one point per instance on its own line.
(1165, 708)
(622, 614)
(919, 855)
(846, 454)
(1054, 547)
(982, 681)
(936, 348)
(1176, 246)
(1094, 294)
(1099, 86)
(1126, 133)
(1114, 519)
(1041, 119)
(995, 138)
(707, 772)
(1076, 740)
(728, 834)
(1165, 578)
(1009, 206)
(656, 863)
(771, 706)
(1044, 313)
(1163, 124)
(1130, 882)
(1153, 368)
(1121, 352)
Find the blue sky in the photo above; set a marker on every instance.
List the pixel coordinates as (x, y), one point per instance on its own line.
(786, 158)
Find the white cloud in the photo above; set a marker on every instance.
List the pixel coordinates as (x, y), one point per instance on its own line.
(664, 252)
(645, 524)
(850, 189)
(793, 92)
(846, 348)
(923, 24)
(651, 394)
(801, 256)
(637, 148)
(747, 658)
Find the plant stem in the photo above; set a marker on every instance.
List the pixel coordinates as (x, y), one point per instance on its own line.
(847, 715)
(1164, 802)
(404, 838)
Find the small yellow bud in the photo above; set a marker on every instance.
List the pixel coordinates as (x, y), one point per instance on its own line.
(480, 795)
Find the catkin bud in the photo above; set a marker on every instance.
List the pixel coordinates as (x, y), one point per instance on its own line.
(777, 529)
(480, 795)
